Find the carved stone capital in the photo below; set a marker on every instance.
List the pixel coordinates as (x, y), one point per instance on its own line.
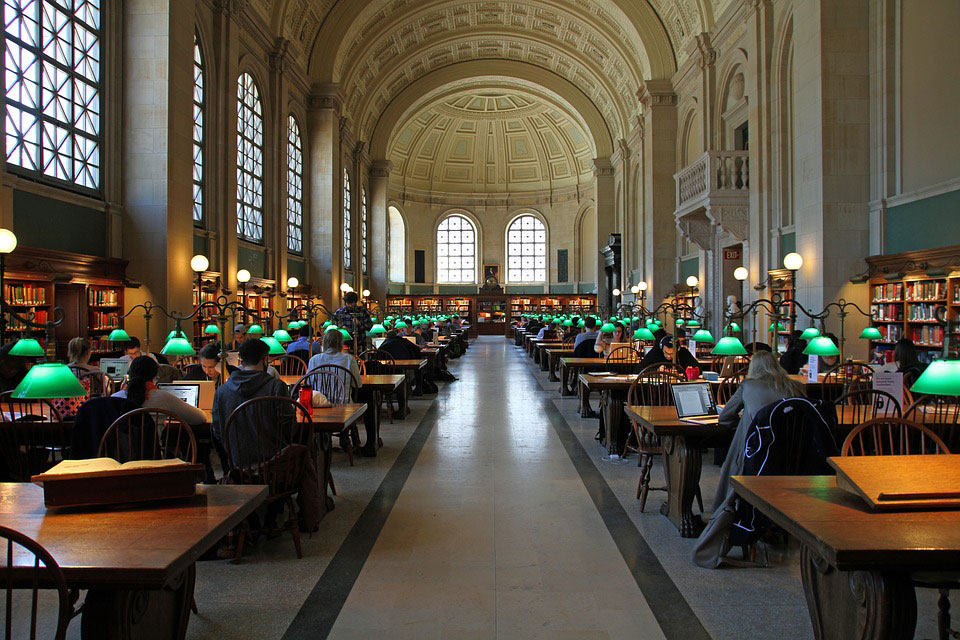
(380, 169)
(734, 219)
(279, 55)
(657, 93)
(698, 230)
(602, 167)
(708, 55)
(326, 97)
(231, 8)
(622, 152)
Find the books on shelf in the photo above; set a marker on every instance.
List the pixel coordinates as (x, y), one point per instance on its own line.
(887, 312)
(883, 292)
(926, 291)
(927, 336)
(25, 294)
(921, 312)
(102, 321)
(102, 297)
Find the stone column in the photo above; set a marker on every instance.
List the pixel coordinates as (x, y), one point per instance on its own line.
(225, 182)
(603, 172)
(275, 241)
(379, 223)
(157, 155)
(323, 146)
(660, 163)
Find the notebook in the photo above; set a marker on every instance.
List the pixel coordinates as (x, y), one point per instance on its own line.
(115, 368)
(694, 402)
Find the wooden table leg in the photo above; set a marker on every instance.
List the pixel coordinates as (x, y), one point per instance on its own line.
(552, 368)
(544, 360)
(377, 401)
(402, 397)
(139, 614)
(867, 605)
(565, 389)
(612, 408)
(682, 464)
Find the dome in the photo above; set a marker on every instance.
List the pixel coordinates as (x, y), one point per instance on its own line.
(490, 141)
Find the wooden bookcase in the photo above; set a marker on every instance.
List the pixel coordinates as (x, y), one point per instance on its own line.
(582, 304)
(781, 283)
(905, 292)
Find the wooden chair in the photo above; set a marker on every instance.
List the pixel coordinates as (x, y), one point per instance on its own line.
(377, 362)
(569, 339)
(264, 456)
(650, 389)
(728, 386)
(183, 363)
(100, 384)
(337, 384)
(624, 355)
(728, 366)
(289, 365)
(862, 405)
(846, 377)
(30, 568)
(665, 366)
(892, 436)
(148, 434)
(32, 436)
(941, 414)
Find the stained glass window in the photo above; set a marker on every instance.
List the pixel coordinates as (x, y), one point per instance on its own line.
(363, 230)
(249, 160)
(526, 250)
(198, 114)
(456, 250)
(347, 223)
(294, 187)
(52, 83)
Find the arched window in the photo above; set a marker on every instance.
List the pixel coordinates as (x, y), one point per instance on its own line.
(363, 230)
(456, 250)
(294, 186)
(249, 160)
(347, 222)
(198, 113)
(397, 238)
(526, 250)
(52, 90)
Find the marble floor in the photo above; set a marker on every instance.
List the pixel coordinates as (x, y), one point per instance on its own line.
(490, 513)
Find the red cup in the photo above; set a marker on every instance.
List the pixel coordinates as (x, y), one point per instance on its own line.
(692, 373)
(306, 399)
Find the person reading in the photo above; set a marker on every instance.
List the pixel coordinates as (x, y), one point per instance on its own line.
(589, 331)
(333, 354)
(142, 391)
(210, 365)
(666, 352)
(132, 350)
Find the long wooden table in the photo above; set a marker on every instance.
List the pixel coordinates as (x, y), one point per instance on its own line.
(138, 562)
(553, 355)
(856, 565)
(540, 351)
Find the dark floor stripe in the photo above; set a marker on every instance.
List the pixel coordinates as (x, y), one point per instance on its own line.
(319, 611)
(673, 613)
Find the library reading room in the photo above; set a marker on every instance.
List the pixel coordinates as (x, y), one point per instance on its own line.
(480, 320)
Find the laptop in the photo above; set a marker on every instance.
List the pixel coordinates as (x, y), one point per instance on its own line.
(695, 403)
(412, 339)
(115, 368)
(377, 342)
(207, 388)
(189, 393)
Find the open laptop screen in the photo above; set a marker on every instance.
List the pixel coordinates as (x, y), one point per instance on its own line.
(115, 368)
(693, 400)
(189, 393)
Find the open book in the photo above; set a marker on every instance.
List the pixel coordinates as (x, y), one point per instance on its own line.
(95, 465)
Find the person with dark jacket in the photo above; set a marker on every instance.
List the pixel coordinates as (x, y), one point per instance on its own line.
(209, 367)
(251, 381)
(908, 363)
(793, 358)
(663, 353)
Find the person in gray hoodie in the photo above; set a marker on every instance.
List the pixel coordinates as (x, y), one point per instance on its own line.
(251, 381)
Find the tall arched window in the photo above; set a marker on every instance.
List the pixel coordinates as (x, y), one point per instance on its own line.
(52, 90)
(526, 250)
(198, 112)
(249, 160)
(456, 250)
(347, 222)
(363, 230)
(294, 187)
(397, 245)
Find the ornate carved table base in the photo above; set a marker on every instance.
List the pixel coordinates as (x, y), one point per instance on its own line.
(857, 605)
(139, 614)
(681, 466)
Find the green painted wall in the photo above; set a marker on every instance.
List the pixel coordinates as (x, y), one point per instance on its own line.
(563, 288)
(788, 244)
(456, 289)
(924, 224)
(689, 267)
(200, 246)
(586, 287)
(52, 224)
(395, 289)
(297, 269)
(421, 289)
(253, 260)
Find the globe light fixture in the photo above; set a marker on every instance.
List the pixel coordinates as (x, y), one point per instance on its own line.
(692, 281)
(292, 282)
(642, 285)
(365, 293)
(635, 289)
(741, 273)
(243, 276)
(8, 242)
(199, 263)
(793, 261)
(344, 287)
(616, 293)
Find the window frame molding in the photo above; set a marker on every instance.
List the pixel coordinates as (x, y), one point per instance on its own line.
(264, 223)
(204, 222)
(477, 240)
(292, 115)
(511, 219)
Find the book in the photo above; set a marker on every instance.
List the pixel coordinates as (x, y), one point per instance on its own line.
(104, 481)
(95, 465)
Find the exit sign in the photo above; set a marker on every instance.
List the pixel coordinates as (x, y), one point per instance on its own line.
(731, 254)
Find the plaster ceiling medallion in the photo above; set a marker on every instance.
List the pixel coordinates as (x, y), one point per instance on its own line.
(490, 141)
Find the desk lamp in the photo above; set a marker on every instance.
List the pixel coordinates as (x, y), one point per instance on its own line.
(940, 378)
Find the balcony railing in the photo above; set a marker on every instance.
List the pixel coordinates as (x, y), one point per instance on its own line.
(712, 174)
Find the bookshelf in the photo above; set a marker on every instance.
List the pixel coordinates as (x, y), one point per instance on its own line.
(782, 285)
(433, 305)
(104, 308)
(492, 315)
(551, 304)
(904, 301)
(31, 299)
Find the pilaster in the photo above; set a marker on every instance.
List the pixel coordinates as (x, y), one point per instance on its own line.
(323, 148)
(379, 223)
(603, 171)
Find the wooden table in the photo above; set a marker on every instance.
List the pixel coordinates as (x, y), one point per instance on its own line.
(575, 365)
(416, 365)
(553, 355)
(371, 392)
(856, 565)
(682, 461)
(138, 562)
(538, 351)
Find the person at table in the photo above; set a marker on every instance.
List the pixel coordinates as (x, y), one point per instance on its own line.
(402, 349)
(141, 390)
(354, 318)
(209, 367)
(239, 336)
(829, 362)
(333, 353)
(78, 357)
(251, 381)
(619, 332)
(666, 352)
(132, 351)
(908, 362)
(589, 332)
(410, 331)
(793, 358)
(547, 330)
(766, 382)
(303, 342)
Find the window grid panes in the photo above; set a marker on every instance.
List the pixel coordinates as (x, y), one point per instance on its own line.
(347, 223)
(249, 160)
(198, 113)
(526, 250)
(456, 250)
(52, 89)
(363, 230)
(294, 187)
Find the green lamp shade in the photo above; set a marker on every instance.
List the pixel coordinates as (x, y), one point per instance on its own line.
(401, 325)
(567, 323)
(374, 319)
(282, 336)
(680, 322)
(941, 378)
(733, 327)
(276, 349)
(294, 326)
(49, 380)
(871, 333)
(703, 335)
(175, 334)
(378, 330)
(607, 328)
(643, 334)
(581, 324)
(778, 326)
(346, 335)
(729, 346)
(693, 324)
(178, 347)
(331, 327)
(389, 318)
(210, 330)
(809, 333)
(821, 346)
(119, 335)
(255, 330)
(27, 347)
(415, 323)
